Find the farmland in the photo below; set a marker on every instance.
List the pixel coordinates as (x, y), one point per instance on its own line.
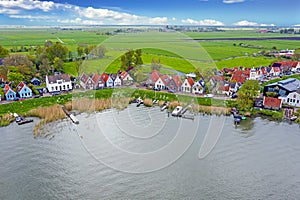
(174, 50)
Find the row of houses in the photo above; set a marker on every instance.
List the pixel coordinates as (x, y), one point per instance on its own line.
(22, 91)
(105, 80)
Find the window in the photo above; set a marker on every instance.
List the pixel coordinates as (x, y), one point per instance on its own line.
(288, 99)
(297, 101)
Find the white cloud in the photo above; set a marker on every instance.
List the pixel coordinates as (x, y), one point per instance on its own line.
(267, 25)
(205, 22)
(67, 13)
(297, 25)
(28, 4)
(28, 17)
(233, 1)
(248, 23)
(79, 21)
(245, 23)
(9, 11)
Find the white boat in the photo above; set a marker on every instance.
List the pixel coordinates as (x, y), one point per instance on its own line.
(177, 111)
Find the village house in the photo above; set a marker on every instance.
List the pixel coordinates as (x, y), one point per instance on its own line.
(198, 87)
(272, 103)
(117, 80)
(108, 81)
(9, 94)
(187, 85)
(58, 83)
(23, 90)
(274, 71)
(98, 82)
(153, 77)
(126, 78)
(86, 82)
(35, 81)
(292, 99)
(240, 76)
(162, 82)
(283, 88)
(175, 83)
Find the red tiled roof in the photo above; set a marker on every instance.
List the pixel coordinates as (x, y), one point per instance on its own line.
(6, 89)
(96, 78)
(177, 80)
(190, 81)
(240, 76)
(155, 75)
(105, 77)
(20, 86)
(123, 74)
(84, 78)
(165, 79)
(270, 102)
(276, 69)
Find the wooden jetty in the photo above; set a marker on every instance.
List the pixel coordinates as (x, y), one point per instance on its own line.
(70, 115)
(21, 120)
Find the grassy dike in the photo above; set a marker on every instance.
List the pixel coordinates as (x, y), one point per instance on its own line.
(49, 108)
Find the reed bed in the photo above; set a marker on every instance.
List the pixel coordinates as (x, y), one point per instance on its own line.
(47, 114)
(6, 119)
(148, 102)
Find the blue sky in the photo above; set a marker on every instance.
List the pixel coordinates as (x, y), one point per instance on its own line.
(162, 12)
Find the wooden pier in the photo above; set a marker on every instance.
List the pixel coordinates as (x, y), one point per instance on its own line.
(70, 115)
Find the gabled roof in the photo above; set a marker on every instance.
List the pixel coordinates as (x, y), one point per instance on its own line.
(271, 102)
(34, 79)
(177, 80)
(20, 86)
(240, 76)
(7, 88)
(155, 75)
(105, 77)
(165, 79)
(55, 78)
(190, 81)
(276, 69)
(123, 74)
(96, 78)
(84, 78)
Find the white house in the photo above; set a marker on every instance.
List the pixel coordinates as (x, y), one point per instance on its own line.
(198, 87)
(295, 67)
(126, 78)
(58, 82)
(117, 81)
(275, 71)
(293, 99)
(86, 82)
(253, 74)
(187, 85)
(162, 82)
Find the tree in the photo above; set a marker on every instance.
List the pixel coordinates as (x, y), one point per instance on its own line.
(57, 50)
(3, 52)
(155, 64)
(15, 78)
(78, 67)
(246, 95)
(58, 65)
(4, 72)
(80, 51)
(297, 55)
(138, 57)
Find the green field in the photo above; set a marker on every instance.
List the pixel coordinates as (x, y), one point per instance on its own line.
(175, 50)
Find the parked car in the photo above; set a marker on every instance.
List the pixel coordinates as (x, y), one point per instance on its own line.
(156, 89)
(209, 95)
(171, 91)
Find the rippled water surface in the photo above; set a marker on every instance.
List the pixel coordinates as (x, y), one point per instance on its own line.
(259, 159)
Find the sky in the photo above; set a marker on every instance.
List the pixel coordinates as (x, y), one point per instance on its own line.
(150, 12)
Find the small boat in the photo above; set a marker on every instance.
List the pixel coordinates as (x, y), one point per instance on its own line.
(21, 120)
(24, 121)
(165, 106)
(177, 111)
(293, 118)
(139, 101)
(70, 115)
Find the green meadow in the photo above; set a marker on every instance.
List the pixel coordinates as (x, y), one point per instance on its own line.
(175, 50)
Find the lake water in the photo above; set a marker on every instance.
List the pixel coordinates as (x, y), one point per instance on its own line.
(129, 155)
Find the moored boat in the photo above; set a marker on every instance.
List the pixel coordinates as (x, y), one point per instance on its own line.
(177, 111)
